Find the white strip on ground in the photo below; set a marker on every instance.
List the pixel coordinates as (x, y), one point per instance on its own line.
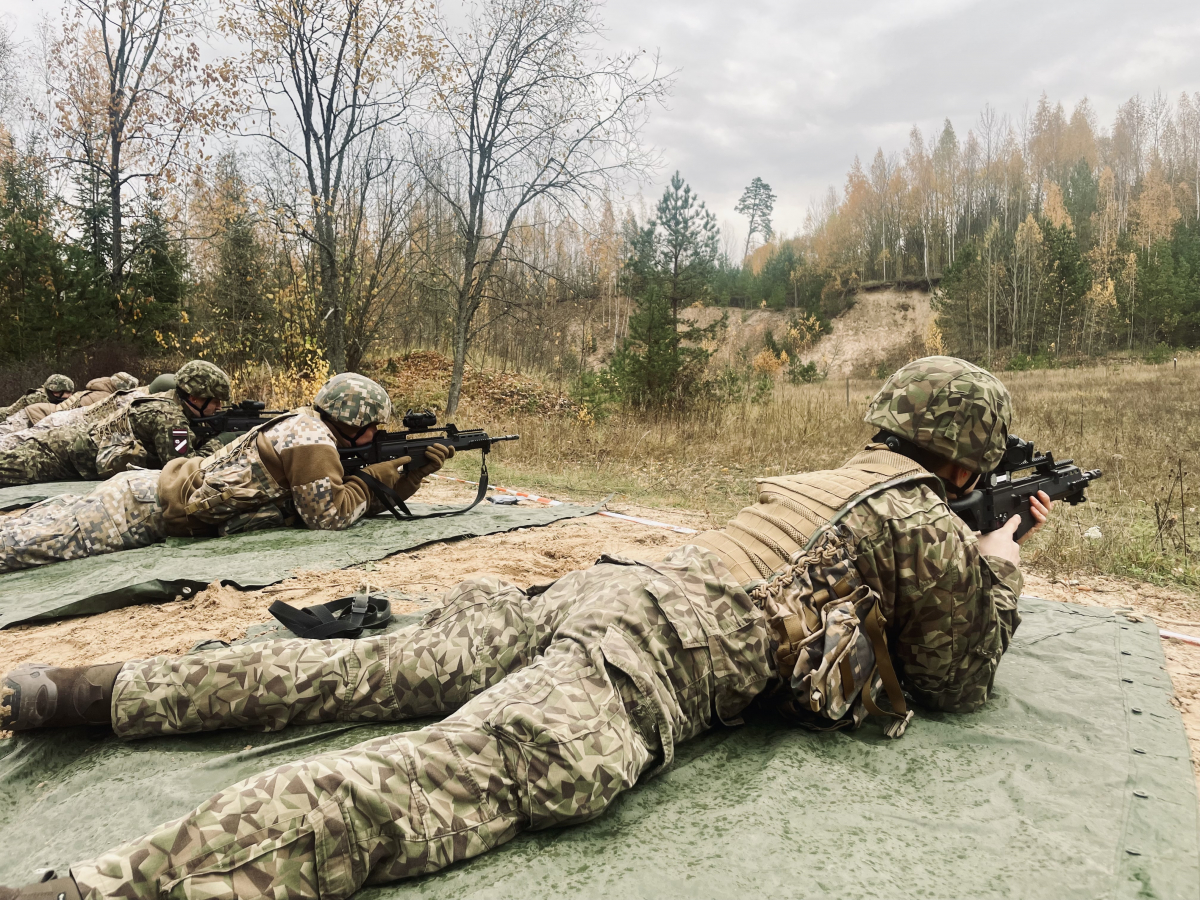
(678, 529)
(1177, 636)
(494, 487)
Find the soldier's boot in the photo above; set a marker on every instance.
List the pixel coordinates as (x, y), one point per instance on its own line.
(38, 696)
(48, 889)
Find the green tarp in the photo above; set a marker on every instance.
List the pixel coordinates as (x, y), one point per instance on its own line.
(161, 572)
(28, 494)
(1074, 782)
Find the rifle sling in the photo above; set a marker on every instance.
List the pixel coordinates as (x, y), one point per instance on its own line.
(396, 506)
(345, 617)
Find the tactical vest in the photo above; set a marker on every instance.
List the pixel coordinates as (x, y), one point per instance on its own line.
(792, 510)
(111, 445)
(236, 491)
(830, 644)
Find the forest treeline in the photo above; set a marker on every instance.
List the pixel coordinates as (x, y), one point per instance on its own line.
(456, 182)
(1051, 236)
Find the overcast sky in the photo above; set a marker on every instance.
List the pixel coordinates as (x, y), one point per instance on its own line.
(791, 90)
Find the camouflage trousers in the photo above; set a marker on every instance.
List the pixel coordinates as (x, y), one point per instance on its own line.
(119, 514)
(563, 700)
(35, 462)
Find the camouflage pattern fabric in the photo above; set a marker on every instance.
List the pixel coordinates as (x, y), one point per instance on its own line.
(123, 381)
(948, 407)
(950, 611)
(238, 493)
(354, 400)
(128, 429)
(46, 427)
(140, 435)
(18, 421)
(200, 378)
(564, 699)
(120, 514)
(38, 395)
(58, 384)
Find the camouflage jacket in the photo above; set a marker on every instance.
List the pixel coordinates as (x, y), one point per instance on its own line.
(951, 612)
(286, 468)
(137, 435)
(37, 395)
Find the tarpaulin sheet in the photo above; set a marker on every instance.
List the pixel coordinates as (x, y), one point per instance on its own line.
(28, 494)
(1073, 782)
(162, 571)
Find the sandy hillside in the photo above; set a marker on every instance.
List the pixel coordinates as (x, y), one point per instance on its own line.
(879, 324)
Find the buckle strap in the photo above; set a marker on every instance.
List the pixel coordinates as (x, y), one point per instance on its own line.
(345, 617)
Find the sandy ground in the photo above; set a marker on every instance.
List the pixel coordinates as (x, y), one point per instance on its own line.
(527, 556)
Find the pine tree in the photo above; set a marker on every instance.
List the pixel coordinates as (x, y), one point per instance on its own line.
(757, 204)
(671, 264)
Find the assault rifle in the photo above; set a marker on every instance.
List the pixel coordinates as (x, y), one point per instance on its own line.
(420, 432)
(1002, 494)
(234, 420)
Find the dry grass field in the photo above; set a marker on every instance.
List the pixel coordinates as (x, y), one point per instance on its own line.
(1139, 423)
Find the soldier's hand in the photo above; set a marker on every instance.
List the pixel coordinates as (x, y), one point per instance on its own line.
(1000, 542)
(388, 473)
(1040, 507)
(435, 457)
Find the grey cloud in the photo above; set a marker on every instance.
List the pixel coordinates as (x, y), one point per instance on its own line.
(793, 91)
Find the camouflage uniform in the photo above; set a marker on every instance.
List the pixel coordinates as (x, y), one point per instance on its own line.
(563, 698)
(610, 669)
(56, 383)
(120, 514)
(95, 391)
(227, 492)
(102, 444)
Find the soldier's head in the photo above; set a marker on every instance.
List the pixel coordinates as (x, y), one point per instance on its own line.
(123, 381)
(201, 387)
(951, 416)
(352, 406)
(58, 388)
(163, 382)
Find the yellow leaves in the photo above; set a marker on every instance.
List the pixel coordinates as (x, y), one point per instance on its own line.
(1054, 208)
(1155, 212)
(935, 343)
(767, 363)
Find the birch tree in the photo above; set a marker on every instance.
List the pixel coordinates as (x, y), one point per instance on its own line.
(524, 110)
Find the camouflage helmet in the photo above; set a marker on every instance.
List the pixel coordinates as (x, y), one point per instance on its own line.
(123, 381)
(354, 400)
(949, 407)
(58, 384)
(200, 378)
(163, 382)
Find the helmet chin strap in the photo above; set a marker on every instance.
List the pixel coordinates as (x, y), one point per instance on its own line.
(929, 460)
(186, 400)
(334, 424)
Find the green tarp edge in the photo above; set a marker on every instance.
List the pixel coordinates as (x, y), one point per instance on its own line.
(248, 561)
(28, 494)
(1037, 796)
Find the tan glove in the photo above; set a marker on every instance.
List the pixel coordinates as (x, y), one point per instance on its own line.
(389, 473)
(435, 457)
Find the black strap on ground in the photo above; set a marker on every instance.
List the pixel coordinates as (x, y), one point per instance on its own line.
(397, 507)
(345, 617)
